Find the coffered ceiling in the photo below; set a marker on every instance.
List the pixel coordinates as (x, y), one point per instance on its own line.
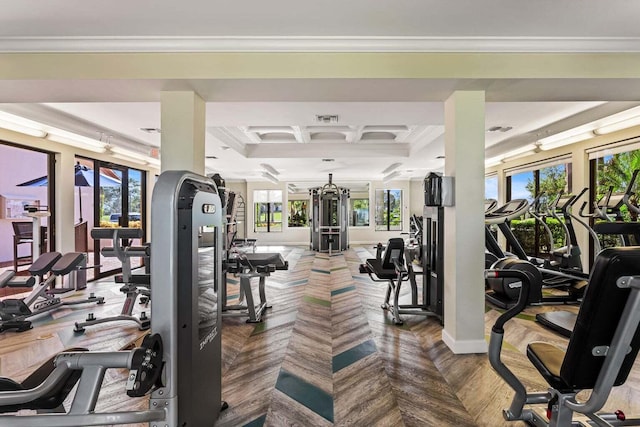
(365, 125)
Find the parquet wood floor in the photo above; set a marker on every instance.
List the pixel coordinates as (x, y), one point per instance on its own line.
(325, 354)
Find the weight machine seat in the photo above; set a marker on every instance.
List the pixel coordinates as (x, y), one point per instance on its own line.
(262, 259)
(383, 267)
(53, 399)
(600, 313)
(44, 263)
(67, 263)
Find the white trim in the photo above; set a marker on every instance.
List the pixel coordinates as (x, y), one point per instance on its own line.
(464, 346)
(614, 148)
(317, 44)
(528, 167)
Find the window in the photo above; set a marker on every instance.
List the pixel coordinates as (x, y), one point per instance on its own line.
(550, 179)
(267, 211)
(611, 174)
(388, 210)
(359, 213)
(491, 187)
(298, 213)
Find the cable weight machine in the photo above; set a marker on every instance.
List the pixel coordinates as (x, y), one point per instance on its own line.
(329, 218)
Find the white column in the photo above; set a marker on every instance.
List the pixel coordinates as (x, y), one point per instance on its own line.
(580, 175)
(65, 201)
(464, 224)
(182, 119)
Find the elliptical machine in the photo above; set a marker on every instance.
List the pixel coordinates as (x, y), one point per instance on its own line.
(503, 292)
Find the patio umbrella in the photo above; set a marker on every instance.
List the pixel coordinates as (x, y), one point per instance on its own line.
(84, 177)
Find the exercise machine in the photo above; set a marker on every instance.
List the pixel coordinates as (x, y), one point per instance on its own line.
(133, 286)
(248, 266)
(503, 292)
(562, 321)
(329, 218)
(15, 312)
(607, 209)
(596, 358)
(180, 363)
(389, 267)
(500, 218)
(243, 265)
(438, 193)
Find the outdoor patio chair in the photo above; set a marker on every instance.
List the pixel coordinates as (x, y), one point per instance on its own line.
(22, 233)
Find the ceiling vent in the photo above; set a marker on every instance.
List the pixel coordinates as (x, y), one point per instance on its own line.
(327, 118)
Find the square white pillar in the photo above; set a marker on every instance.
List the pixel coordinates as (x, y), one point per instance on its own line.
(65, 192)
(464, 223)
(182, 120)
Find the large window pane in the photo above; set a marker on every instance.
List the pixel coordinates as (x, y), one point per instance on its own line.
(613, 174)
(491, 187)
(389, 210)
(267, 210)
(550, 181)
(523, 186)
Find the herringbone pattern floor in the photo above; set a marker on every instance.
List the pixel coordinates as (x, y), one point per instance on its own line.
(325, 354)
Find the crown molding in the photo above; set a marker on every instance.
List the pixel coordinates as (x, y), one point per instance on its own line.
(319, 44)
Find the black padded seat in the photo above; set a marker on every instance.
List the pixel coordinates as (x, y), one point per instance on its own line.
(382, 273)
(384, 268)
(600, 313)
(262, 259)
(68, 263)
(52, 400)
(547, 359)
(44, 263)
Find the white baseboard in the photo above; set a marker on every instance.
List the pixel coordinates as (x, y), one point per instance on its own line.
(464, 346)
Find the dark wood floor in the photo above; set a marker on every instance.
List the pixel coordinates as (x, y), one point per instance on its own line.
(325, 354)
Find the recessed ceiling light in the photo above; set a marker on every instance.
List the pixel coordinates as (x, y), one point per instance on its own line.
(150, 130)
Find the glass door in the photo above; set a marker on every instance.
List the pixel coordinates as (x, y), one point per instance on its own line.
(119, 195)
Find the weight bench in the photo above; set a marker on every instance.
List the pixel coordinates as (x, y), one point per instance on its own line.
(247, 266)
(14, 312)
(132, 285)
(601, 351)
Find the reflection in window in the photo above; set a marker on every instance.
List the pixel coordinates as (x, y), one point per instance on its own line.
(359, 213)
(298, 213)
(208, 298)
